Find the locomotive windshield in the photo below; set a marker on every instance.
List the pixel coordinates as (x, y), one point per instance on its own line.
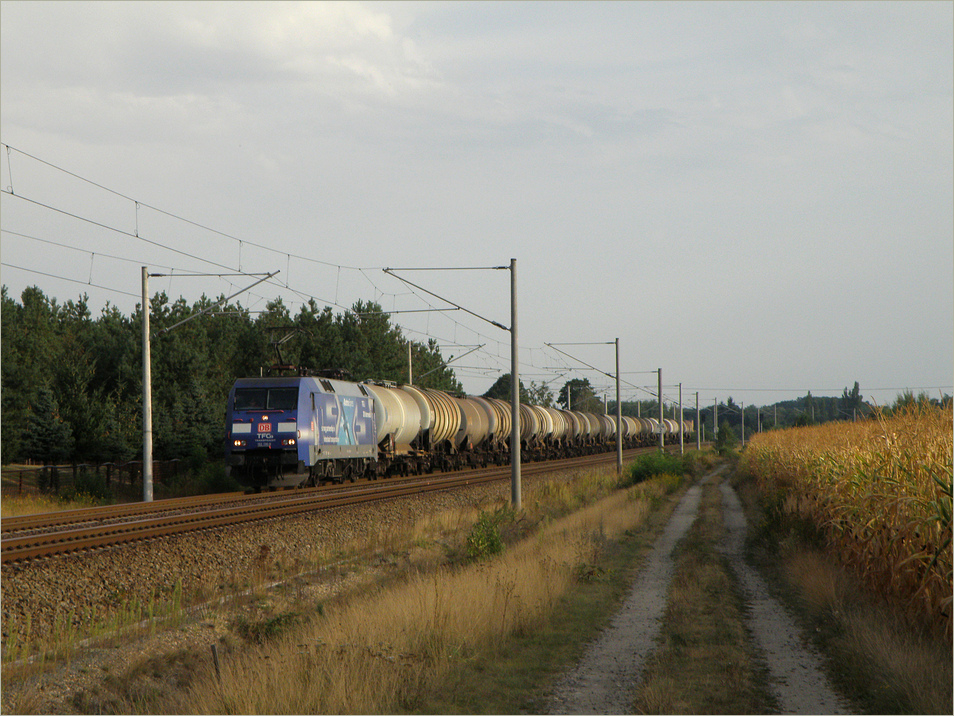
(266, 398)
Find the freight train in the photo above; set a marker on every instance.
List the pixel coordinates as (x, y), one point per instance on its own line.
(296, 431)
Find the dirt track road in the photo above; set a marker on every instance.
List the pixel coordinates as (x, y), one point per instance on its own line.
(605, 678)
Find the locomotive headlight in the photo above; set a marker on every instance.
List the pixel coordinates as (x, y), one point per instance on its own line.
(288, 441)
(238, 443)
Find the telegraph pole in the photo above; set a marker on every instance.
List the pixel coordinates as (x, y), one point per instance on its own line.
(662, 440)
(742, 410)
(698, 424)
(146, 392)
(147, 366)
(619, 419)
(514, 367)
(682, 448)
(515, 488)
(619, 402)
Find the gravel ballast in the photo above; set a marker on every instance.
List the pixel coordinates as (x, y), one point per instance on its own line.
(98, 585)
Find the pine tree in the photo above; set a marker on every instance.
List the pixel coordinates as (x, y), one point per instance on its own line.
(726, 439)
(48, 438)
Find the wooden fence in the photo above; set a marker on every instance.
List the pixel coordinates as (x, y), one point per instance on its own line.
(53, 479)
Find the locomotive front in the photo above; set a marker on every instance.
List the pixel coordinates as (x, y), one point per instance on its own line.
(294, 431)
(264, 434)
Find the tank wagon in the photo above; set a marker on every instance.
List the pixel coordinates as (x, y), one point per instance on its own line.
(292, 431)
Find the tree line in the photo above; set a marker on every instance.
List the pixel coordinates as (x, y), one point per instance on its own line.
(71, 384)
(579, 394)
(809, 410)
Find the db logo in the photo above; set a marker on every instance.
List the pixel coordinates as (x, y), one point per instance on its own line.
(264, 427)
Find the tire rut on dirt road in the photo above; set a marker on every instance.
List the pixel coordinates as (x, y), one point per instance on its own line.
(798, 681)
(606, 677)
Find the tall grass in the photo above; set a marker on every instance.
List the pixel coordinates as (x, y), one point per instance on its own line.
(880, 492)
(885, 664)
(18, 505)
(380, 652)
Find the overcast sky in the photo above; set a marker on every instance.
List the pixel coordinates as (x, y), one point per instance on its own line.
(755, 197)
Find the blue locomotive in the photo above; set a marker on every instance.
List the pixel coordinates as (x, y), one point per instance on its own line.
(286, 431)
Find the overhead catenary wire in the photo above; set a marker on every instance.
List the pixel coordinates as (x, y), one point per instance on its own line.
(457, 325)
(495, 360)
(119, 231)
(215, 305)
(466, 310)
(71, 280)
(137, 236)
(158, 244)
(812, 390)
(164, 212)
(102, 254)
(9, 169)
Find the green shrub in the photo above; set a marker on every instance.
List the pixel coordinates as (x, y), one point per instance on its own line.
(652, 465)
(726, 440)
(92, 486)
(212, 479)
(206, 479)
(656, 463)
(484, 539)
(692, 463)
(264, 630)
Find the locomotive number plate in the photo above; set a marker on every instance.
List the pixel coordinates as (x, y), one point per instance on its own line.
(264, 427)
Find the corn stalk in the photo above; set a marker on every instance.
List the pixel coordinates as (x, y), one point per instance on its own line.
(881, 491)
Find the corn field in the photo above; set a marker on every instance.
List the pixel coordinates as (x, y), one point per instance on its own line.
(880, 491)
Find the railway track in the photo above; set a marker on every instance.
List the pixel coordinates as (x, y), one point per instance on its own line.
(46, 535)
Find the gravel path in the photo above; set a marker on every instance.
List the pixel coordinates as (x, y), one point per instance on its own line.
(605, 679)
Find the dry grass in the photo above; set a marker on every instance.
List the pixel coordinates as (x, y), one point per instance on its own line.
(894, 668)
(880, 491)
(31, 504)
(383, 646)
(381, 652)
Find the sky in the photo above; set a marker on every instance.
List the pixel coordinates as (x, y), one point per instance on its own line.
(757, 198)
